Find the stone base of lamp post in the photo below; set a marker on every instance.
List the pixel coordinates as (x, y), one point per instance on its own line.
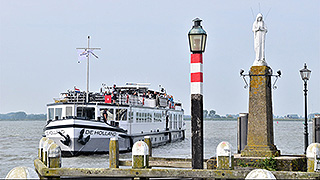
(260, 151)
(260, 140)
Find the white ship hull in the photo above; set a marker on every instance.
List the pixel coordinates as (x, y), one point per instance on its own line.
(86, 128)
(100, 134)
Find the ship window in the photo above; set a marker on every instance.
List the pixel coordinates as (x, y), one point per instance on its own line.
(68, 111)
(85, 112)
(130, 116)
(137, 117)
(58, 113)
(157, 117)
(175, 121)
(121, 114)
(170, 121)
(149, 117)
(50, 113)
(179, 121)
(109, 114)
(143, 117)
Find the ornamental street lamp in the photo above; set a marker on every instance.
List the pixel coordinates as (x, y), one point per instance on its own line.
(305, 76)
(197, 42)
(197, 37)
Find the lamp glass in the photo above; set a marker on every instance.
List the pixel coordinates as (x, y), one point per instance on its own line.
(305, 74)
(197, 42)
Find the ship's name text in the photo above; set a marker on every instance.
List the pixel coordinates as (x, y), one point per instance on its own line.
(101, 133)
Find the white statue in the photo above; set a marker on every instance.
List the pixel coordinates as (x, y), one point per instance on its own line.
(259, 30)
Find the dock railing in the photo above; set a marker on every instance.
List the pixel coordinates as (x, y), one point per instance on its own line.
(142, 166)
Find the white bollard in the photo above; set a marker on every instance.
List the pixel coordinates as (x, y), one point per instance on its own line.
(22, 173)
(224, 156)
(313, 157)
(260, 174)
(54, 156)
(46, 145)
(140, 155)
(40, 150)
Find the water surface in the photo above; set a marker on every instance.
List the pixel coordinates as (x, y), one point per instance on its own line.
(19, 142)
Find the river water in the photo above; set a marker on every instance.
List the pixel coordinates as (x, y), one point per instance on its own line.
(19, 142)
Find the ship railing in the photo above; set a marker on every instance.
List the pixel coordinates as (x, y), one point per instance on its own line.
(125, 99)
(122, 99)
(135, 100)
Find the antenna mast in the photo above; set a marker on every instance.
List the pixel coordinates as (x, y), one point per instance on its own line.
(88, 51)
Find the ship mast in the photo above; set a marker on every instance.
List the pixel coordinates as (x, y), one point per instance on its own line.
(89, 51)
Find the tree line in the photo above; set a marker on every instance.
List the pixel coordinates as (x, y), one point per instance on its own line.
(22, 116)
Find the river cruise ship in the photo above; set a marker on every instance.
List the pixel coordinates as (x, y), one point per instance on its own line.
(83, 124)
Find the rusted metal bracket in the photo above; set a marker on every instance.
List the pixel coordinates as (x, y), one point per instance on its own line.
(270, 74)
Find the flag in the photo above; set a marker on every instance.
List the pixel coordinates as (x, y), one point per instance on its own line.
(107, 99)
(82, 54)
(76, 90)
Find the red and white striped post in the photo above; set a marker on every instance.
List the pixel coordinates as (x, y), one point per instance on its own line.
(197, 42)
(196, 73)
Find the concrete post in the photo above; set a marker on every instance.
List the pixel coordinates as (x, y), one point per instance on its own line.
(140, 155)
(54, 156)
(224, 156)
(147, 140)
(114, 153)
(260, 174)
(46, 145)
(316, 129)
(313, 157)
(22, 173)
(242, 131)
(40, 150)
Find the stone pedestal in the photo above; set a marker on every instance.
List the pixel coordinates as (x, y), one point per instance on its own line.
(260, 140)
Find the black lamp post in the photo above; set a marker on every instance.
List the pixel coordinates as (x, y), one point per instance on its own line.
(197, 42)
(305, 76)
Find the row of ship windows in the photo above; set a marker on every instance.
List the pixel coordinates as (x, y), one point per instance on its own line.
(164, 138)
(142, 117)
(155, 139)
(118, 115)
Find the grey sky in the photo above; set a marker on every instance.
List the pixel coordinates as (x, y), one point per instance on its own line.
(146, 41)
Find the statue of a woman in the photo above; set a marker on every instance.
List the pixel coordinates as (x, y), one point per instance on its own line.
(259, 30)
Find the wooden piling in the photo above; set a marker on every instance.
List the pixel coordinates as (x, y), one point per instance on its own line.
(242, 131)
(114, 153)
(147, 140)
(197, 130)
(316, 129)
